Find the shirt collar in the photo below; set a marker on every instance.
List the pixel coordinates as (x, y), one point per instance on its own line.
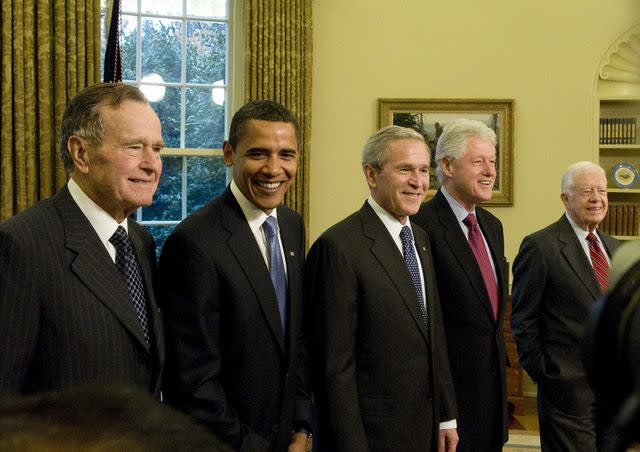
(581, 233)
(103, 223)
(458, 210)
(254, 215)
(390, 222)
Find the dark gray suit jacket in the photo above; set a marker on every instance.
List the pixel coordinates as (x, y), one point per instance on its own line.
(554, 289)
(65, 313)
(229, 364)
(382, 377)
(475, 338)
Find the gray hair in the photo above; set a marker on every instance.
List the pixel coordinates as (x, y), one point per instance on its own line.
(376, 150)
(455, 137)
(574, 170)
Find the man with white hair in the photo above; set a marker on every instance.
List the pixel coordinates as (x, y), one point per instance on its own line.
(557, 275)
(472, 273)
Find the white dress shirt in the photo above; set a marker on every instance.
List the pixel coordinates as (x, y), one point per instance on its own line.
(582, 238)
(103, 223)
(256, 217)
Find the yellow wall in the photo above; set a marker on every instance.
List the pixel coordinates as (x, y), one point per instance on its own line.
(544, 54)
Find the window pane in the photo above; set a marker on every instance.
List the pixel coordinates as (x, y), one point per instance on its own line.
(206, 51)
(207, 8)
(161, 50)
(164, 7)
(160, 233)
(167, 202)
(129, 6)
(204, 122)
(128, 38)
(168, 110)
(206, 179)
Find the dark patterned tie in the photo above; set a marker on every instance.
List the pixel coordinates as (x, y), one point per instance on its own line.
(598, 261)
(480, 252)
(412, 264)
(278, 276)
(128, 266)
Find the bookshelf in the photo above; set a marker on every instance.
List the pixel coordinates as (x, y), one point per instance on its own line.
(617, 126)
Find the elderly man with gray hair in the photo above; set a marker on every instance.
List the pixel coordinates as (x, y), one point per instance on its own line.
(557, 275)
(472, 274)
(381, 368)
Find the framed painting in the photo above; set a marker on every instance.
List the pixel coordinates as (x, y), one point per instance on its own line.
(430, 116)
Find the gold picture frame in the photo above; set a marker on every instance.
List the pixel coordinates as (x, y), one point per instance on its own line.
(429, 116)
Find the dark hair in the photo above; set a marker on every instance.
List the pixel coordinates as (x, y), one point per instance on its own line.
(83, 116)
(97, 417)
(264, 110)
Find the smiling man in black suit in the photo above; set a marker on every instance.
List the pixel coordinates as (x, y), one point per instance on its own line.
(468, 250)
(77, 300)
(379, 351)
(231, 275)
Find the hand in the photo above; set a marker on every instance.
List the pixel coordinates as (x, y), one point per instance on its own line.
(298, 442)
(447, 440)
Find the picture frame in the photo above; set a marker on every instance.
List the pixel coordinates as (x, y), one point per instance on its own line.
(429, 116)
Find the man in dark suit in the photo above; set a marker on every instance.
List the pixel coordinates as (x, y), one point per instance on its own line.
(379, 350)
(68, 313)
(472, 281)
(557, 275)
(232, 287)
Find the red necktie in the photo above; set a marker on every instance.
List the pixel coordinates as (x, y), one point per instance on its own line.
(599, 261)
(480, 252)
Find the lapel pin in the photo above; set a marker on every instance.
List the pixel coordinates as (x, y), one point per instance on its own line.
(424, 248)
(291, 253)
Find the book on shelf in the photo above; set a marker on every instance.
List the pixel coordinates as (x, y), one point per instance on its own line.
(618, 130)
(622, 219)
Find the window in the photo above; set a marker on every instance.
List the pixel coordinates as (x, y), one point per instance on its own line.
(177, 52)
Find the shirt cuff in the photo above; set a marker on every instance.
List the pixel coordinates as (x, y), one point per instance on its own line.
(448, 424)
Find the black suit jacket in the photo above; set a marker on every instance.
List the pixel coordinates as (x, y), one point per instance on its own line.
(554, 289)
(475, 338)
(382, 376)
(229, 364)
(65, 314)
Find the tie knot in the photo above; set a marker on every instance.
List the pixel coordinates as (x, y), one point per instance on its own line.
(120, 239)
(405, 235)
(591, 238)
(470, 221)
(270, 226)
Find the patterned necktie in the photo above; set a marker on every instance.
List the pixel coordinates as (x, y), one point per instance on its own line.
(128, 266)
(412, 264)
(278, 276)
(598, 261)
(482, 258)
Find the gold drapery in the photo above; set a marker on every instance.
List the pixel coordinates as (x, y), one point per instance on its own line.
(50, 50)
(278, 67)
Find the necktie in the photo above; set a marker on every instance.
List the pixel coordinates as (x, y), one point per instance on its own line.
(598, 261)
(412, 265)
(128, 266)
(482, 258)
(276, 267)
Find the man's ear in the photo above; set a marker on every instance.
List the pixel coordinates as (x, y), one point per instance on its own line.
(370, 173)
(447, 166)
(78, 149)
(227, 152)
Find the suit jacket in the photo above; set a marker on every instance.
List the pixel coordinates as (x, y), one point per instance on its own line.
(229, 364)
(65, 314)
(554, 289)
(475, 338)
(383, 380)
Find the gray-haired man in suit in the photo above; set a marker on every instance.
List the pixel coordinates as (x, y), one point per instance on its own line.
(557, 275)
(77, 296)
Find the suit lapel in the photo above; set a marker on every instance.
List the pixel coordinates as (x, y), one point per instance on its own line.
(575, 256)
(390, 258)
(460, 248)
(93, 266)
(291, 248)
(245, 249)
(494, 241)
